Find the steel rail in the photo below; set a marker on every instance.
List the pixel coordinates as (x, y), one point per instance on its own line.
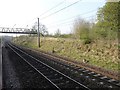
(34, 68)
(96, 76)
(11, 46)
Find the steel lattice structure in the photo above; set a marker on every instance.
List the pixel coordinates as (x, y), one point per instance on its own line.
(17, 30)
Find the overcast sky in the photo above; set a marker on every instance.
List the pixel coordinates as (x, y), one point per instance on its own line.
(20, 13)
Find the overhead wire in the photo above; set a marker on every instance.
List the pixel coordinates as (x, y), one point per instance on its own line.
(68, 22)
(79, 15)
(53, 7)
(48, 10)
(74, 16)
(60, 10)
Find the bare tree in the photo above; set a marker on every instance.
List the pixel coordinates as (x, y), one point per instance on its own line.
(81, 28)
(43, 29)
(57, 33)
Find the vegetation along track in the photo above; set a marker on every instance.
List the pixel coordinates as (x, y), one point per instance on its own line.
(55, 78)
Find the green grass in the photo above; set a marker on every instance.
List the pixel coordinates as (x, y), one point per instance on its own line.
(99, 53)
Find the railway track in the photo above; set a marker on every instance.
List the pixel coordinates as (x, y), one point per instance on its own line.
(88, 78)
(99, 79)
(55, 78)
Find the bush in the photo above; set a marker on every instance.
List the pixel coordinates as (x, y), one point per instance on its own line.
(87, 41)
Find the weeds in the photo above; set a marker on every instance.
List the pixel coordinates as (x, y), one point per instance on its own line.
(99, 53)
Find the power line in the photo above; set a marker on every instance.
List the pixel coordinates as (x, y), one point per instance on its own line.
(75, 16)
(49, 10)
(58, 10)
(53, 8)
(68, 22)
(79, 15)
(72, 18)
(61, 9)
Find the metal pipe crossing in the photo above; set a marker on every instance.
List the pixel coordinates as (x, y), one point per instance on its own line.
(17, 30)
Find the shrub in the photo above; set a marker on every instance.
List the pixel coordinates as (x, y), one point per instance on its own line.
(87, 41)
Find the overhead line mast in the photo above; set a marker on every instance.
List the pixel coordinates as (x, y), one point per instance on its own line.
(38, 34)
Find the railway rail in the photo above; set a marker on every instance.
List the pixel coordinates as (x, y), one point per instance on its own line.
(57, 79)
(86, 76)
(82, 77)
(84, 73)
